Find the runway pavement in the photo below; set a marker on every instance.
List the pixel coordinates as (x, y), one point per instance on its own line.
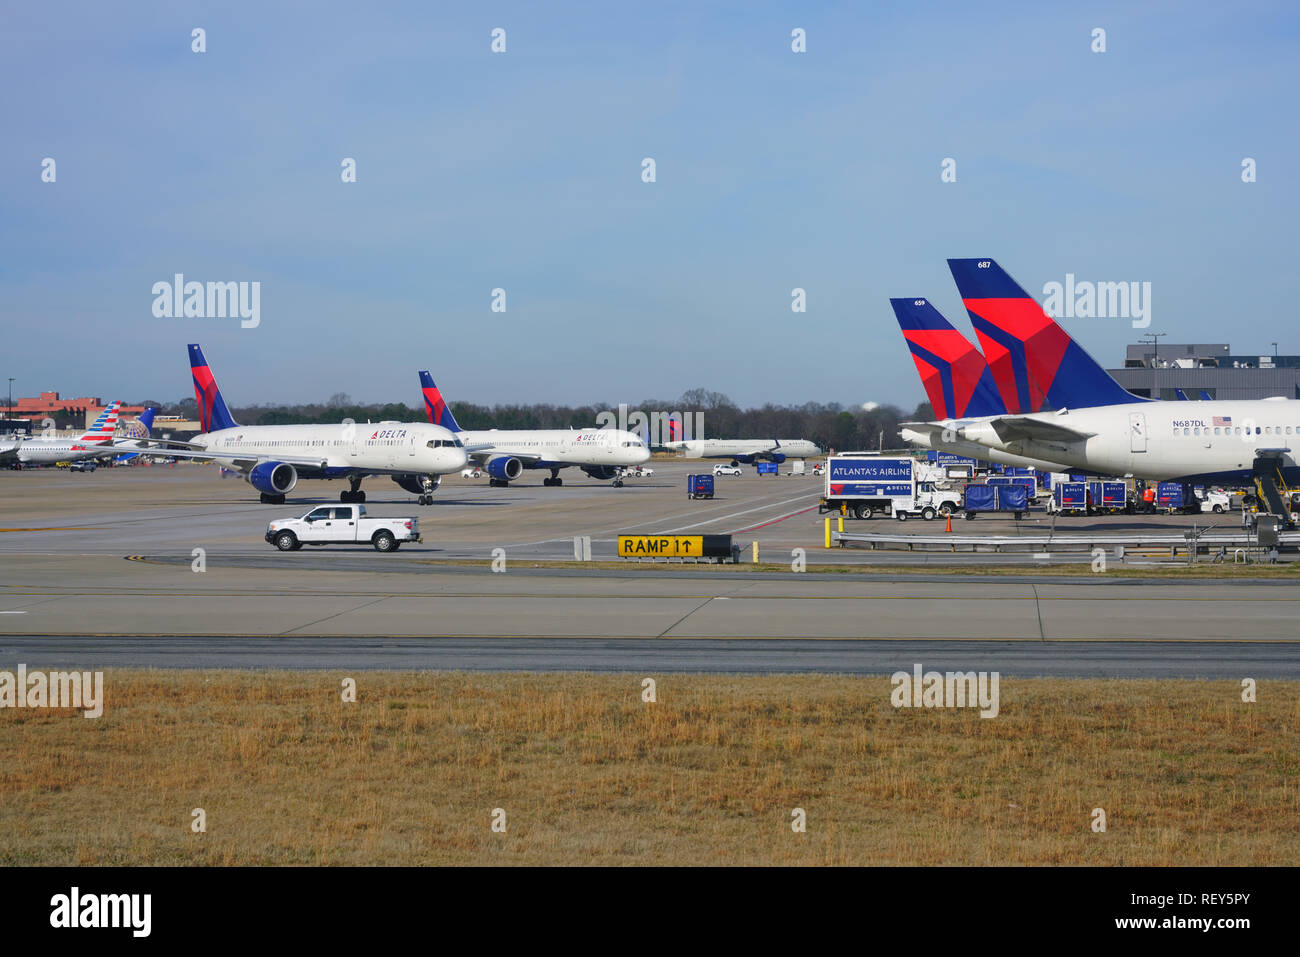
(69, 597)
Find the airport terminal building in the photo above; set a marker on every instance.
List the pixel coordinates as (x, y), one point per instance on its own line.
(1159, 371)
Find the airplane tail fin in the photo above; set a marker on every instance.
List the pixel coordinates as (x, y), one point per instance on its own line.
(435, 405)
(141, 427)
(213, 414)
(1031, 356)
(104, 426)
(957, 380)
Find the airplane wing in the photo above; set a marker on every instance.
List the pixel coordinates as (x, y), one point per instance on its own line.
(1012, 427)
(480, 454)
(238, 460)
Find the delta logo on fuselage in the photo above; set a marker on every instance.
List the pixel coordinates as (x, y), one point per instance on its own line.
(388, 434)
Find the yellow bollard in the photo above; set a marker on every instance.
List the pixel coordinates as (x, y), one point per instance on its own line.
(756, 551)
(828, 533)
(841, 521)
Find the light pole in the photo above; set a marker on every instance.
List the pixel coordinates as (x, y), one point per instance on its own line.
(1155, 361)
(9, 409)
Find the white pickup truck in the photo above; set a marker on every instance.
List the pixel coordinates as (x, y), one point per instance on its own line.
(342, 525)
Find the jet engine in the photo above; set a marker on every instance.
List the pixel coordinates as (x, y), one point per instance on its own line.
(273, 478)
(505, 468)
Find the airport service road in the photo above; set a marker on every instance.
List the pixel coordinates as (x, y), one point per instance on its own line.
(648, 656)
(79, 610)
(164, 511)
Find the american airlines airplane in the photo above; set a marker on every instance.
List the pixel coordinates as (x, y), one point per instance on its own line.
(93, 443)
(504, 454)
(272, 458)
(1098, 426)
(742, 450)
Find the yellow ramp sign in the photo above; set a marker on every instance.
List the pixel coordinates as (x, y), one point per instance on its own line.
(674, 546)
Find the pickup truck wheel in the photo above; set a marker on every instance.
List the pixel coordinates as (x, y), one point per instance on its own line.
(384, 541)
(1218, 510)
(947, 508)
(286, 541)
(928, 513)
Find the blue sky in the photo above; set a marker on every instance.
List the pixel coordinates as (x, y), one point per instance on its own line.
(522, 171)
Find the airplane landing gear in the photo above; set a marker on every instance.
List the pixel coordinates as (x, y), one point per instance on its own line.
(272, 499)
(353, 494)
(555, 479)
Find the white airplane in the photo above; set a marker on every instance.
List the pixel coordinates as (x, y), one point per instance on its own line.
(271, 458)
(1097, 426)
(743, 450)
(504, 454)
(93, 443)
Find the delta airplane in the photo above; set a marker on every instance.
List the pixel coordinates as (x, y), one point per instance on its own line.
(504, 454)
(957, 381)
(93, 443)
(272, 458)
(1097, 426)
(748, 451)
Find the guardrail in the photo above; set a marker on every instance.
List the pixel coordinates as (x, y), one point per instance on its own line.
(1184, 542)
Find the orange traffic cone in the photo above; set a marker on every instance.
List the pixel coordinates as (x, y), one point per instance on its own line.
(948, 527)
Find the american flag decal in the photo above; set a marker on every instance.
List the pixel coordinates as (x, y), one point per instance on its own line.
(1223, 420)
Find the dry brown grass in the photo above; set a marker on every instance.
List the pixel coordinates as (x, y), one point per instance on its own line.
(587, 773)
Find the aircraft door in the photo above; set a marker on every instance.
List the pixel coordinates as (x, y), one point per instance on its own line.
(1137, 431)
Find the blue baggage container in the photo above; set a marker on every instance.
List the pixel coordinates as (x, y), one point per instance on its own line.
(1174, 495)
(993, 497)
(1070, 496)
(699, 486)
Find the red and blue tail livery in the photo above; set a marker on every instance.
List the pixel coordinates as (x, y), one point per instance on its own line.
(1034, 361)
(435, 406)
(213, 414)
(957, 380)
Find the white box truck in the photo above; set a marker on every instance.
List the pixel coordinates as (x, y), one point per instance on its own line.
(866, 485)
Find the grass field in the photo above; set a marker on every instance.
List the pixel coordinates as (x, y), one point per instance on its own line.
(709, 774)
